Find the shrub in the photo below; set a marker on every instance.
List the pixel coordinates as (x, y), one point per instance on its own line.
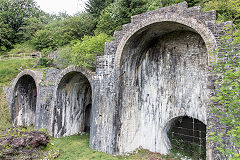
(86, 50)
(44, 39)
(45, 62)
(64, 57)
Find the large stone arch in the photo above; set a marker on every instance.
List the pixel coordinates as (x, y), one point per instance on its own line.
(71, 113)
(147, 89)
(23, 105)
(194, 24)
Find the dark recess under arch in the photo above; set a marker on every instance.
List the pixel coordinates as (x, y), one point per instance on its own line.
(72, 111)
(24, 101)
(188, 136)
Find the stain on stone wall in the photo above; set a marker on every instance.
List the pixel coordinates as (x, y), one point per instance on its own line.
(24, 102)
(73, 108)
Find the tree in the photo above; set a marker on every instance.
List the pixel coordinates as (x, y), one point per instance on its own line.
(109, 20)
(118, 13)
(95, 7)
(15, 13)
(61, 32)
(6, 33)
(29, 27)
(79, 25)
(226, 10)
(44, 39)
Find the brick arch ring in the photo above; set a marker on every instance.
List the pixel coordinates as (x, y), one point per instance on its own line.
(33, 74)
(87, 73)
(196, 25)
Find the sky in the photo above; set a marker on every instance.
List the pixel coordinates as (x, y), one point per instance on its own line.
(56, 6)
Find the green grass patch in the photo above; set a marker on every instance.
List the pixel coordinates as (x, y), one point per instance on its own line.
(22, 48)
(10, 68)
(77, 148)
(5, 120)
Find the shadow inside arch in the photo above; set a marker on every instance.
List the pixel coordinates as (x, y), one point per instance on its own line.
(23, 107)
(72, 108)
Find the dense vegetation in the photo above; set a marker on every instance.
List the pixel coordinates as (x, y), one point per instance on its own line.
(24, 27)
(78, 39)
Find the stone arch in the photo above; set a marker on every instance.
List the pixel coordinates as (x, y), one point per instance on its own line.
(24, 98)
(73, 102)
(192, 23)
(163, 66)
(190, 131)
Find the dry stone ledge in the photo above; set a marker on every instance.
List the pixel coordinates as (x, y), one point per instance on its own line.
(154, 77)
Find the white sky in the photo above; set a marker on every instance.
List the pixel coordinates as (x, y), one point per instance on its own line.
(56, 6)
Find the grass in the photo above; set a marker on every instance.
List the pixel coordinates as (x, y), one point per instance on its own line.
(5, 120)
(77, 148)
(10, 68)
(22, 48)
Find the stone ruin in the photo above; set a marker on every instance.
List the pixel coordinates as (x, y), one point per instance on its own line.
(152, 85)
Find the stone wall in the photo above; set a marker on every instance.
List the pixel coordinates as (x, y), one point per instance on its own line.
(156, 70)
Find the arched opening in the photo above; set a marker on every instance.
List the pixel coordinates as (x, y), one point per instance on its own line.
(24, 101)
(163, 72)
(72, 111)
(87, 121)
(188, 137)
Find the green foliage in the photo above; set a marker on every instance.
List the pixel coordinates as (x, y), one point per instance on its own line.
(62, 32)
(9, 69)
(45, 62)
(29, 27)
(227, 10)
(227, 98)
(118, 13)
(86, 50)
(95, 7)
(5, 120)
(110, 20)
(15, 12)
(44, 39)
(6, 33)
(187, 149)
(25, 47)
(79, 25)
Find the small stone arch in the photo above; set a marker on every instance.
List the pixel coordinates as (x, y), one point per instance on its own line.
(89, 74)
(190, 22)
(36, 75)
(185, 131)
(71, 113)
(25, 89)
